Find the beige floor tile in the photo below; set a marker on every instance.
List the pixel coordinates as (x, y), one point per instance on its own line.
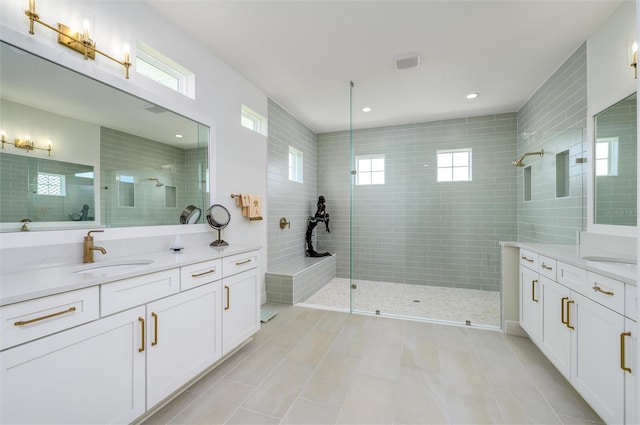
(368, 401)
(331, 380)
(462, 372)
(472, 409)
(421, 352)
(245, 417)
(352, 341)
(259, 364)
(311, 413)
(526, 351)
(312, 347)
(417, 400)
(295, 329)
(333, 322)
(415, 328)
(524, 405)
(277, 393)
(216, 405)
(568, 420)
(172, 409)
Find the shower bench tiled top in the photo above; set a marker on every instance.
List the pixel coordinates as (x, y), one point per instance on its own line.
(295, 281)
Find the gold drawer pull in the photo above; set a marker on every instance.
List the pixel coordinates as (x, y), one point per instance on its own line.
(243, 262)
(622, 350)
(155, 329)
(49, 316)
(141, 320)
(602, 291)
(226, 288)
(568, 312)
(544, 266)
(562, 311)
(213, 270)
(533, 290)
(524, 257)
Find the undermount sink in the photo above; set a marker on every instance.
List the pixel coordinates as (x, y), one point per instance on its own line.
(610, 259)
(113, 267)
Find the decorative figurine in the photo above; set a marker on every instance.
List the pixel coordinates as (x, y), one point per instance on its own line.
(312, 222)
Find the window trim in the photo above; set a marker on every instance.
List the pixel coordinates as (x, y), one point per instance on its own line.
(612, 157)
(297, 167)
(371, 172)
(452, 167)
(43, 188)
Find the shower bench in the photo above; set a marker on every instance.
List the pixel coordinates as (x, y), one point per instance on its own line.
(295, 281)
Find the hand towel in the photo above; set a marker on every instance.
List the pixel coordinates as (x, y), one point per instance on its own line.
(245, 202)
(255, 207)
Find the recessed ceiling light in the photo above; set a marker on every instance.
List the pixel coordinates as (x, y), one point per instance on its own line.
(472, 95)
(179, 136)
(366, 109)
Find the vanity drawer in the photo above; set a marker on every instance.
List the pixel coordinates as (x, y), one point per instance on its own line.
(33, 319)
(606, 291)
(572, 276)
(200, 273)
(529, 259)
(631, 302)
(127, 293)
(239, 263)
(547, 267)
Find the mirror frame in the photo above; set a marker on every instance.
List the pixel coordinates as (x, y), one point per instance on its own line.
(143, 90)
(608, 229)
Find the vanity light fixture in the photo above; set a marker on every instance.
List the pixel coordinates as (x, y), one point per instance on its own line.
(26, 143)
(79, 41)
(634, 59)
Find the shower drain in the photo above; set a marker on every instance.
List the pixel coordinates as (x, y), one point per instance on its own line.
(416, 301)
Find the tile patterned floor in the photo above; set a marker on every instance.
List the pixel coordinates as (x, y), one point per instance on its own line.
(436, 303)
(311, 366)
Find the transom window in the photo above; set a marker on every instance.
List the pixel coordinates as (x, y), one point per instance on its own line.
(158, 67)
(454, 165)
(252, 120)
(295, 165)
(369, 169)
(607, 156)
(51, 184)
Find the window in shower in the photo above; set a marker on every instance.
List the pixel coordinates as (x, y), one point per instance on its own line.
(295, 165)
(607, 156)
(369, 169)
(51, 184)
(454, 165)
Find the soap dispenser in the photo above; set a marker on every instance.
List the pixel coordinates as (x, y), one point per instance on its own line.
(177, 244)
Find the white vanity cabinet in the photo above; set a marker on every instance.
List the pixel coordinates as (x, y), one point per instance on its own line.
(88, 374)
(111, 353)
(530, 306)
(585, 334)
(241, 299)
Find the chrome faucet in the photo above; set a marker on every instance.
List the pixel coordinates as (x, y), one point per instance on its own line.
(89, 247)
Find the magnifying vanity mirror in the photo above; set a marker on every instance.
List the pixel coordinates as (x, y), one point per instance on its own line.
(615, 167)
(115, 160)
(218, 218)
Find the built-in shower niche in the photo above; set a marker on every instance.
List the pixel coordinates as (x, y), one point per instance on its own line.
(562, 174)
(170, 196)
(527, 183)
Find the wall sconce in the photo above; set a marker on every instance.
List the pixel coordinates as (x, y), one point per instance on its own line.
(26, 144)
(632, 52)
(79, 41)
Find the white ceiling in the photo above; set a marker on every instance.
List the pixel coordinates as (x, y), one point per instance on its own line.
(303, 54)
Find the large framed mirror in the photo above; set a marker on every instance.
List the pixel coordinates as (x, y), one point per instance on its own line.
(120, 160)
(615, 167)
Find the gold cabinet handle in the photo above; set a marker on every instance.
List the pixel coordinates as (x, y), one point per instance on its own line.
(562, 310)
(239, 263)
(525, 258)
(544, 266)
(622, 352)
(213, 270)
(226, 288)
(141, 320)
(602, 291)
(155, 329)
(533, 290)
(48, 316)
(568, 312)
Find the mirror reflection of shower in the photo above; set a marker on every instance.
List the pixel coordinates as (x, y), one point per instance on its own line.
(158, 184)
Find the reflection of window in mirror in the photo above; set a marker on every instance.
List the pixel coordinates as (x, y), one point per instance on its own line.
(607, 156)
(51, 184)
(126, 191)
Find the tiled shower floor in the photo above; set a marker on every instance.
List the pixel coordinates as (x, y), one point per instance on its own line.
(420, 301)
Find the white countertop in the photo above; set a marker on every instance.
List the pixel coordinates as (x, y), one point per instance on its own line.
(40, 282)
(570, 254)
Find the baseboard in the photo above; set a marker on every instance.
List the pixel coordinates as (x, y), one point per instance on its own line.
(514, 328)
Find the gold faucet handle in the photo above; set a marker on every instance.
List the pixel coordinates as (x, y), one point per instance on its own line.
(93, 231)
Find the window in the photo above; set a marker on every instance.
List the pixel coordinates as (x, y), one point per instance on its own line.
(454, 165)
(51, 184)
(154, 65)
(295, 165)
(607, 157)
(370, 169)
(252, 120)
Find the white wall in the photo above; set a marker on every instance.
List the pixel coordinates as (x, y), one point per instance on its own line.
(610, 79)
(237, 156)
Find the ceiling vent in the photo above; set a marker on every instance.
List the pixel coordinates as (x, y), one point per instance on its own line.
(406, 62)
(155, 109)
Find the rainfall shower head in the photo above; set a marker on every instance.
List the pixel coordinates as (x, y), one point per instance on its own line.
(158, 184)
(520, 161)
